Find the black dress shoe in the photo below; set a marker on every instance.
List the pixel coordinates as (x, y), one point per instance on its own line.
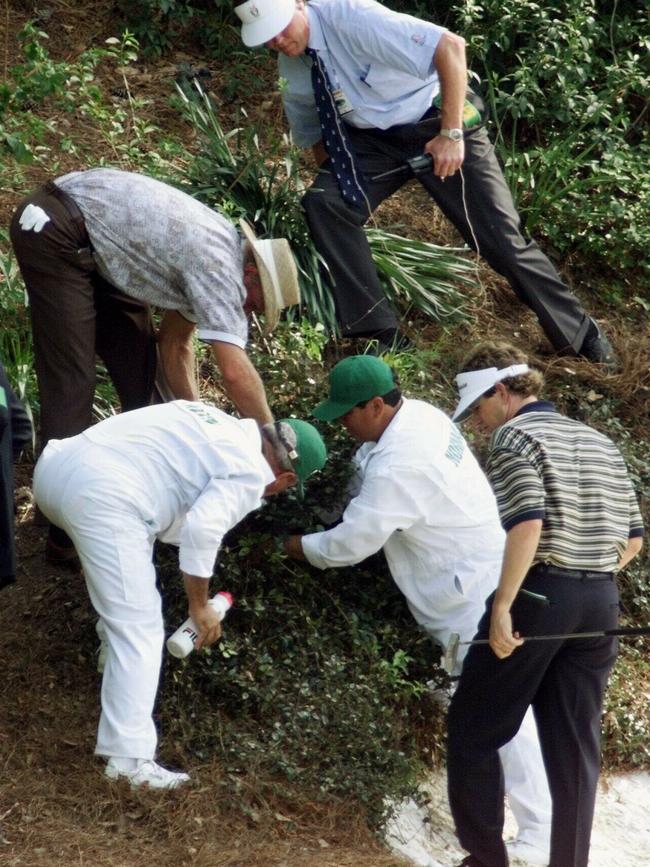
(388, 340)
(64, 556)
(597, 348)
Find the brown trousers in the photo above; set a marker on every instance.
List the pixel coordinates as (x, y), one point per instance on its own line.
(76, 315)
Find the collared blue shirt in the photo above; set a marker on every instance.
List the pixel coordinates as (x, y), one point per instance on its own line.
(381, 60)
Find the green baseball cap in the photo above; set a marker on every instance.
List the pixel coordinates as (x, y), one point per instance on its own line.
(353, 380)
(310, 447)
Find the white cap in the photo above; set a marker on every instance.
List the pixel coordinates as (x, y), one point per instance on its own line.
(473, 384)
(262, 20)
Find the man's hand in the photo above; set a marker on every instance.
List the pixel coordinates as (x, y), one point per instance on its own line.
(208, 624)
(447, 155)
(502, 639)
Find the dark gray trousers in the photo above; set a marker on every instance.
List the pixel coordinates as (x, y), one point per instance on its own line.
(481, 195)
(76, 314)
(565, 682)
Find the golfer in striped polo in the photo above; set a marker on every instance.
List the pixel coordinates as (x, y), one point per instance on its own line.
(572, 522)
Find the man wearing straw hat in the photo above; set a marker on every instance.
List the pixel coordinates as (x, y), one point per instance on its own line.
(96, 248)
(424, 500)
(572, 521)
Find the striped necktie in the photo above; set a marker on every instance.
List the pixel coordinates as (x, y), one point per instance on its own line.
(335, 137)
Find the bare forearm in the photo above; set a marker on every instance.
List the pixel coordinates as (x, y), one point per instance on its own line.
(634, 545)
(451, 66)
(176, 354)
(178, 368)
(242, 383)
(521, 544)
(197, 590)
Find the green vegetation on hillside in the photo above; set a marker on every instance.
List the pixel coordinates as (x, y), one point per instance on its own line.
(320, 680)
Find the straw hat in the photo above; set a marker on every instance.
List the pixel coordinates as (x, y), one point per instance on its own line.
(278, 274)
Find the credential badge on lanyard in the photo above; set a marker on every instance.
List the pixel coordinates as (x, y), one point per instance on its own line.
(341, 102)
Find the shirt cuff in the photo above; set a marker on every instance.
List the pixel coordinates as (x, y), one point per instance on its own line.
(531, 515)
(310, 550)
(220, 337)
(198, 562)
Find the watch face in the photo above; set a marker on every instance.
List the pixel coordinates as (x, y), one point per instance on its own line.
(455, 134)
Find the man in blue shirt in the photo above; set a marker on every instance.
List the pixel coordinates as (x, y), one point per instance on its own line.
(398, 88)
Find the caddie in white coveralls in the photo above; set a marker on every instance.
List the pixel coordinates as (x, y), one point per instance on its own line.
(183, 472)
(423, 498)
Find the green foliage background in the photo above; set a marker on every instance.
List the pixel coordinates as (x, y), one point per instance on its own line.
(321, 678)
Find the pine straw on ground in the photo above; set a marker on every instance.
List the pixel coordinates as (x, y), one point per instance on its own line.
(57, 809)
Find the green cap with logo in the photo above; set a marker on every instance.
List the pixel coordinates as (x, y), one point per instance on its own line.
(352, 381)
(310, 449)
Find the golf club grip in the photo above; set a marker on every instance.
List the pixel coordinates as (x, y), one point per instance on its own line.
(629, 630)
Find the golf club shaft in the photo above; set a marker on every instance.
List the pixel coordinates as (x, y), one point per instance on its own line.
(628, 630)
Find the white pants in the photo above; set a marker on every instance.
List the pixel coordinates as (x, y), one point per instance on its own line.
(524, 773)
(85, 489)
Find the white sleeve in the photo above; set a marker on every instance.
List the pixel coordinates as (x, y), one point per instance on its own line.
(221, 505)
(382, 507)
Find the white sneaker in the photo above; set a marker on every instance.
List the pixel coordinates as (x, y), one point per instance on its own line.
(146, 772)
(520, 852)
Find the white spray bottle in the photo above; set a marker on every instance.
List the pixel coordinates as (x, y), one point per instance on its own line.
(181, 643)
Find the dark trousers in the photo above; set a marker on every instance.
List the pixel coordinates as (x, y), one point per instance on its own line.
(75, 314)
(564, 681)
(15, 433)
(479, 204)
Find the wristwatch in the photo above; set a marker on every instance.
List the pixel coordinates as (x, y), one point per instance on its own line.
(453, 134)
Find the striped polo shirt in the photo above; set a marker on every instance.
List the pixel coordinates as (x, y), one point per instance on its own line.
(543, 465)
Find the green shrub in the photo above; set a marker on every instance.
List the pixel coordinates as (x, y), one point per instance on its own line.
(159, 24)
(568, 95)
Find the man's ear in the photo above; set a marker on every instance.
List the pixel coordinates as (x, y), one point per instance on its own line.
(285, 479)
(377, 406)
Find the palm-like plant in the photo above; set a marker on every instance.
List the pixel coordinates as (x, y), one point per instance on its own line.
(233, 174)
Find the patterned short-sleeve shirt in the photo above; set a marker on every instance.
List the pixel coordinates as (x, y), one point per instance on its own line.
(161, 246)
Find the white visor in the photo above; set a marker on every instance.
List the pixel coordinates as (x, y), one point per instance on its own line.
(473, 384)
(262, 20)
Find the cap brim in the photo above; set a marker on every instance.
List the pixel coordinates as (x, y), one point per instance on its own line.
(464, 409)
(330, 410)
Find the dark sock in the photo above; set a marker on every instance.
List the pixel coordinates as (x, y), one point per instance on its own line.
(59, 537)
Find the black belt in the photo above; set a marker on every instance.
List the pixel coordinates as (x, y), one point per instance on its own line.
(545, 569)
(72, 208)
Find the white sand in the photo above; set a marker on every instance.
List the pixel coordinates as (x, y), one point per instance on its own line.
(621, 834)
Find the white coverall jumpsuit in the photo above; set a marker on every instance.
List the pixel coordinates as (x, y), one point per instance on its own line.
(183, 472)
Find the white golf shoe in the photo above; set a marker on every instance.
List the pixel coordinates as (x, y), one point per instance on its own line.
(144, 772)
(523, 853)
